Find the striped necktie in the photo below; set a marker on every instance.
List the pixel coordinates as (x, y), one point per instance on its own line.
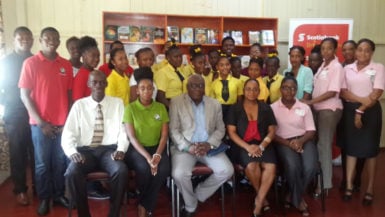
(99, 128)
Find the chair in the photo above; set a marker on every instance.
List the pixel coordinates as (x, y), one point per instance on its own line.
(280, 182)
(198, 170)
(99, 176)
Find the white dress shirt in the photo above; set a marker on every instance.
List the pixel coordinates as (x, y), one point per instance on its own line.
(79, 127)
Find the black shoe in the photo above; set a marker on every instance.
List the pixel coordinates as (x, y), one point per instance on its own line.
(43, 208)
(98, 195)
(368, 199)
(62, 201)
(347, 195)
(186, 213)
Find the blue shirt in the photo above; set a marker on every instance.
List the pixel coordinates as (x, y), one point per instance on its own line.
(200, 132)
(304, 79)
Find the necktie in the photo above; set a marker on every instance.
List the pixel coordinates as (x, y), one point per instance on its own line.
(268, 84)
(179, 75)
(98, 128)
(225, 90)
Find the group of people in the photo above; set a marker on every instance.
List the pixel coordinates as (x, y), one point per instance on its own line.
(83, 119)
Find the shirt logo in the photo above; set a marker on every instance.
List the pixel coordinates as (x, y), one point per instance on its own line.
(62, 71)
(157, 117)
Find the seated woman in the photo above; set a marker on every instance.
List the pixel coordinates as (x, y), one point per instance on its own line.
(146, 124)
(295, 147)
(251, 125)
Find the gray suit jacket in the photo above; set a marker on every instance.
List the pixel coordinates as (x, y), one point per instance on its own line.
(182, 124)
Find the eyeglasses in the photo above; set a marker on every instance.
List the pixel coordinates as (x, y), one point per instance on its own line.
(286, 88)
(196, 86)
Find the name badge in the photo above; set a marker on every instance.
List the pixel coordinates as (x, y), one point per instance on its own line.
(299, 112)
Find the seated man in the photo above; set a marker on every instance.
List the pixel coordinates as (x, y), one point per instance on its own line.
(196, 126)
(94, 139)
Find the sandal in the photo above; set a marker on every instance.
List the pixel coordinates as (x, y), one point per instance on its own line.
(304, 210)
(368, 199)
(347, 195)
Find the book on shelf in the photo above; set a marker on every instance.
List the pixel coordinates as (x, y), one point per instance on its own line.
(147, 33)
(212, 36)
(200, 36)
(111, 32)
(245, 59)
(267, 37)
(186, 35)
(226, 33)
(134, 33)
(159, 35)
(124, 33)
(254, 37)
(173, 32)
(237, 36)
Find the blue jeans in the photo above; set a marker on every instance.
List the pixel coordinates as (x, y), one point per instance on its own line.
(50, 164)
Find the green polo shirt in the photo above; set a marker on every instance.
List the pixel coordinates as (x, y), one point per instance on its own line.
(147, 121)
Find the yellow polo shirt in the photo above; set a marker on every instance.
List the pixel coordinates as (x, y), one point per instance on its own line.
(167, 80)
(275, 92)
(263, 91)
(118, 86)
(235, 90)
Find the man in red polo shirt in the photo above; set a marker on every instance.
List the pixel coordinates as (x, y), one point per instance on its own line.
(45, 88)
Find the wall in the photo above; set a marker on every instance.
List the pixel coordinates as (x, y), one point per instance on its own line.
(84, 17)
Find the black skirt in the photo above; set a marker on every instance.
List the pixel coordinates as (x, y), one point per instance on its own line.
(364, 142)
(241, 155)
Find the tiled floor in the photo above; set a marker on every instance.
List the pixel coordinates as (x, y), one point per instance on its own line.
(211, 208)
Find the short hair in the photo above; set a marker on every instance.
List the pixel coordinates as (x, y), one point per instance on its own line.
(48, 29)
(227, 38)
(143, 73)
(316, 49)
(114, 43)
(213, 51)
(258, 61)
(273, 58)
(299, 48)
(21, 29)
(234, 59)
(87, 42)
(370, 42)
(143, 50)
(289, 78)
(350, 42)
(257, 45)
(72, 39)
(331, 40)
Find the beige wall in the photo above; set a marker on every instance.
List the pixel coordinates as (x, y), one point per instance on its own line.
(84, 17)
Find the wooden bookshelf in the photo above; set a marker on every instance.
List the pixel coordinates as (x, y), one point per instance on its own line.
(217, 23)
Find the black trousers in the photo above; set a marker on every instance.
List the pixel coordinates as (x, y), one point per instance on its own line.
(148, 184)
(20, 151)
(98, 158)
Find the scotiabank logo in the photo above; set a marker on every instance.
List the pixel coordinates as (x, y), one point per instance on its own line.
(309, 35)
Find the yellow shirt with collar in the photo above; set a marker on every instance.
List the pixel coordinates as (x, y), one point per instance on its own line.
(275, 92)
(118, 86)
(168, 81)
(263, 91)
(158, 66)
(235, 90)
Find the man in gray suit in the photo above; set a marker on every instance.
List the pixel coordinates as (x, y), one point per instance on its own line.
(196, 126)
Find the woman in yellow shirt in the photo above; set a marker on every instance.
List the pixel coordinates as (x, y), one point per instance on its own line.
(118, 82)
(255, 72)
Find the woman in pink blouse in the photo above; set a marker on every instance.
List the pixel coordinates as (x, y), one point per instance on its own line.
(327, 105)
(294, 138)
(363, 86)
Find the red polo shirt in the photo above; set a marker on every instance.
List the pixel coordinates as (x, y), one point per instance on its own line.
(104, 68)
(49, 82)
(80, 87)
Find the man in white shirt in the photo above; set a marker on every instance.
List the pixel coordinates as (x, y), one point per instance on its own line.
(88, 154)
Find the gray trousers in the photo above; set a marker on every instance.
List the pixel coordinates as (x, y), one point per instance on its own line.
(299, 168)
(326, 121)
(182, 164)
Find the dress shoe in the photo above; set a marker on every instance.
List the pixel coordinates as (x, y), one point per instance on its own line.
(186, 213)
(22, 199)
(62, 201)
(43, 208)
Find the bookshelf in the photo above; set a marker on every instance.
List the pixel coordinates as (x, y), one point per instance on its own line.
(215, 25)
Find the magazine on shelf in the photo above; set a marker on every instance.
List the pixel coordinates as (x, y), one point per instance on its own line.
(187, 35)
(267, 38)
(124, 33)
(147, 33)
(212, 36)
(173, 32)
(134, 33)
(200, 36)
(254, 37)
(111, 32)
(159, 35)
(237, 36)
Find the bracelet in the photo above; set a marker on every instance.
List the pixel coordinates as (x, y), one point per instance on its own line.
(267, 139)
(261, 147)
(359, 111)
(156, 154)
